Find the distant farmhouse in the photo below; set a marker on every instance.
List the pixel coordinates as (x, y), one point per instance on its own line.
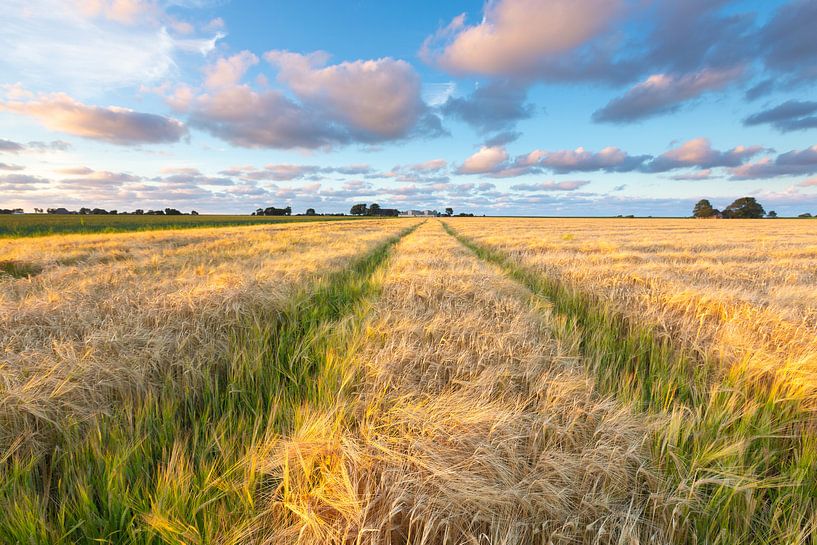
(419, 213)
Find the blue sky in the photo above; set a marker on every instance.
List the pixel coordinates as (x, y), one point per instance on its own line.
(528, 107)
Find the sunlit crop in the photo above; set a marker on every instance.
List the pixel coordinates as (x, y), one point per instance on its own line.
(436, 382)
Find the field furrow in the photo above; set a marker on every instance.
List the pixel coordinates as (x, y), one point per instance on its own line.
(113, 316)
(175, 463)
(742, 442)
(471, 422)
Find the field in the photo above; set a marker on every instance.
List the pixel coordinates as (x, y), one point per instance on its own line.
(22, 225)
(447, 381)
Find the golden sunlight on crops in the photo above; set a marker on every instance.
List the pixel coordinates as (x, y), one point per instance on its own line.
(473, 424)
(437, 382)
(743, 292)
(98, 317)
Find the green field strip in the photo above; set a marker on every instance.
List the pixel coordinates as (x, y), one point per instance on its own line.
(28, 225)
(746, 454)
(180, 465)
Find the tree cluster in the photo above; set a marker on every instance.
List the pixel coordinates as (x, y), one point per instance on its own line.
(84, 211)
(102, 212)
(272, 211)
(372, 210)
(742, 208)
(11, 210)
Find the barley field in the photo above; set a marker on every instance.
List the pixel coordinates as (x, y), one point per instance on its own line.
(442, 382)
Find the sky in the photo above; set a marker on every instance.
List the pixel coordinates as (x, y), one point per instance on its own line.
(506, 107)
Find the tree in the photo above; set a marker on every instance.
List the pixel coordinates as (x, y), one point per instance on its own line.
(358, 210)
(310, 212)
(449, 211)
(806, 215)
(771, 214)
(744, 208)
(272, 211)
(374, 209)
(703, 209)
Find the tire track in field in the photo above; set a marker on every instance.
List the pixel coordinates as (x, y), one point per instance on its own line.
(471, 424)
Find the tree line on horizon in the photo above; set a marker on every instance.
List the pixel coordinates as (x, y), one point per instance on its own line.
(742, 208)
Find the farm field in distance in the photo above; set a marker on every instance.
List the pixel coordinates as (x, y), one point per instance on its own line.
(438, 381)
(20, 225)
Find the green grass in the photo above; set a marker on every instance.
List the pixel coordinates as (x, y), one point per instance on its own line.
(27, 225)
(743, 453)
(18, 269)
(181, 465)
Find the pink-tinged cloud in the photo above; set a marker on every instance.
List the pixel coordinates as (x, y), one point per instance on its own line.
(112, 124)
(429, 166)
(698, 153)
(486, 160)
(811, 182)
(125, 12)
(265, 119)
(362, 101)
(663, 93)
(515, 36)
(705, 174)
(75, 171)
(99, 179)
(610, 159)
(792, 163)
(569, 185)
(376, 99)
(228, 71)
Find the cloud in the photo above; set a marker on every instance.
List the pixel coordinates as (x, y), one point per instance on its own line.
(493, 161)
(788, 40)
(698, 153)
(515, 36)
(54, 145)
(486, 160)
(432, 165)
(7, 166)
(811, 182)
(99, 179)
(21, 182)
(705, 174)
(570, 185)
(722, 36)
(792, 163)
(363, 101)
(112, 124)
(9, 146)
(77, 171)
(286, 172)
(663, 93)
(496, 106)
(108, 45)
(436, 94)
(503, 138)
(265, 119)
(609, 159)
(227, 72)
(760, 89)
(374, 100)
(792, 115)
